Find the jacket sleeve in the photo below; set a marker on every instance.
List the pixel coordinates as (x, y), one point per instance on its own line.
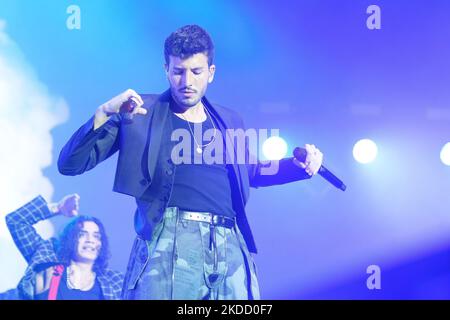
(287, 172)
(88, 147)
(20, 224)
(260, 175)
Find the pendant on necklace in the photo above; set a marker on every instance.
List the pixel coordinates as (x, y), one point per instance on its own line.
(199, 150)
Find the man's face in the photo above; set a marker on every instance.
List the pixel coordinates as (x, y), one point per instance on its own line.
(189, 78)
(89, 242)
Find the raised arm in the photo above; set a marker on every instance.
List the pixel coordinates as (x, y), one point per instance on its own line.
(288, 171)
(269, 173)
(20, 222)
(97, 139)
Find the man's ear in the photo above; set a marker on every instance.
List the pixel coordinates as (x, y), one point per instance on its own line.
(212, 71)
(166, 69)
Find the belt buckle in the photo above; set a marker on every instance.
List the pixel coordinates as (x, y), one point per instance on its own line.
(215, 219)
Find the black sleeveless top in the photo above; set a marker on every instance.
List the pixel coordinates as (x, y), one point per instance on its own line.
(64, 293)
(201, 186)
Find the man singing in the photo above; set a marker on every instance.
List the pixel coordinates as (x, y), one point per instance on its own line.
(193, 238)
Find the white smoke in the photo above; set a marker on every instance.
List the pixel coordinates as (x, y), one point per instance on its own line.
(27, 114)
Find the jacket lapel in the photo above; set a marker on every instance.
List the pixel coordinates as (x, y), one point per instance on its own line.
(157, 125)
(224, 124)
(105, 286)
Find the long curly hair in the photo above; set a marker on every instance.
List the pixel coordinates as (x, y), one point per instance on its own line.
(67, 242)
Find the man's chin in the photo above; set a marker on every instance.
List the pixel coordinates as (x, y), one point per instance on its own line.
(187, 102)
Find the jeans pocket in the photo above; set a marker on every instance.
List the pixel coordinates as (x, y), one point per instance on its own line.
(215, 265)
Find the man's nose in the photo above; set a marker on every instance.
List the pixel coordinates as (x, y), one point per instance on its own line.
(187, 79)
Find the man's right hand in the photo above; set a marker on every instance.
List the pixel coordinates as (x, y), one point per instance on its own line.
(69, 205)
(111, 107)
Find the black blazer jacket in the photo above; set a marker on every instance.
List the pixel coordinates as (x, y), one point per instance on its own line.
(144, 164)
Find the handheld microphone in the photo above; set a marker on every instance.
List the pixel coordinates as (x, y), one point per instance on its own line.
(300, 155)
(127, 108)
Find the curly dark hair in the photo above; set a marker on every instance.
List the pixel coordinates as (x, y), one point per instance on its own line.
(67, 242)
(187, 41)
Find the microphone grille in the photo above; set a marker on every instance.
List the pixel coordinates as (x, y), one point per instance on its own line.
(300, 154)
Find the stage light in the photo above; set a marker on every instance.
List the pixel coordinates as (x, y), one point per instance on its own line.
(274, 148)
(445, 154)
(365, 151)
